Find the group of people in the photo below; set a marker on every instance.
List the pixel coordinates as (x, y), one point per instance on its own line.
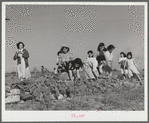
(93, 65)
(128, 66)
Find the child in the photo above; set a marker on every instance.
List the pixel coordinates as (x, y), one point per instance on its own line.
(132, 66)
(59, 65)
(74, 66)
(91, 65)
(122, 62)
(109, 56)
(101, 49)
(103, 68)
(66, 58)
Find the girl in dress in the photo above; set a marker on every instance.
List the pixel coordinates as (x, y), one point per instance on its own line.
(109, 56)
(122, 62)
(22, 56)
(132, 66)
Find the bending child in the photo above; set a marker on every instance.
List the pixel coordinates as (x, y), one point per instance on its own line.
(90, 66)
(74, 67)
(103, 68)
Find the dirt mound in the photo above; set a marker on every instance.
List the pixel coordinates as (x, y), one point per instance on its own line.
(47, 87)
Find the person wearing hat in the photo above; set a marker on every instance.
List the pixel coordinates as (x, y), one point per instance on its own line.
(66, 59)
(109, 56)
(22, 56)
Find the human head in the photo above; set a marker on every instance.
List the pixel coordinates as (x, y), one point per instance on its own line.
(122, 54)
(65, 49)
(129, 55)
(78, 63)
(59, 53)
(100, 47)
(90, 53)
(100, 58)
(110, 48)
(20, 45)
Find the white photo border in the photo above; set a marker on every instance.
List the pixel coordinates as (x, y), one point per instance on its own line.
(66, 115)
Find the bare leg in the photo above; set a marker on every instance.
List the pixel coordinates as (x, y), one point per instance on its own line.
(70, 74)
(139, 78)
(78, 73)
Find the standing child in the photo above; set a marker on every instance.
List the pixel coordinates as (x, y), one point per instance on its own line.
(122, 62)
(101, 49)
(132, 66)
(109, 56)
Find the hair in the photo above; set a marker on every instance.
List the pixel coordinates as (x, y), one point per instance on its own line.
(110, 47)
(123, 54)
(129, 53)
(19, 44)
(100, 45)
(78, 61)
(59, 52)
(90, 51)
(100, 58)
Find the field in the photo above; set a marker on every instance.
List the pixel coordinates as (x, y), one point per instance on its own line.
(120, 95)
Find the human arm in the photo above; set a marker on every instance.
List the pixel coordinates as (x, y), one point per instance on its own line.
(25, 54)
(71, 56)
(135, 64)
(15, 56)
(78, 73)
(119, 60)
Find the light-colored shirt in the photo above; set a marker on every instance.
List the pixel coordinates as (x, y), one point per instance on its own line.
(108, 56)
(67, 57)
(92, 62)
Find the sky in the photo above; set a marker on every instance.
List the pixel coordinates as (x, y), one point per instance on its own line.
(44, 29)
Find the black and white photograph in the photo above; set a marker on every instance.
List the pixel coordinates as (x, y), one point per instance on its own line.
(74, 61)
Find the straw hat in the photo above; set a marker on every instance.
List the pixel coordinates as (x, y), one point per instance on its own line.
(64, 46)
